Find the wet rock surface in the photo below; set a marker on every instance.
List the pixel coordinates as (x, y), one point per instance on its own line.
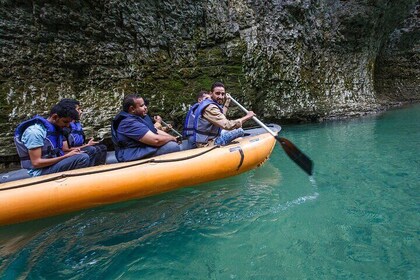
(287, 60)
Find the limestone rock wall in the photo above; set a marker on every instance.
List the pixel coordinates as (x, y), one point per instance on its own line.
(397, 72)
(294, 60)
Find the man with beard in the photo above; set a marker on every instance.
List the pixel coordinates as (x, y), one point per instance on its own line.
(211, 127)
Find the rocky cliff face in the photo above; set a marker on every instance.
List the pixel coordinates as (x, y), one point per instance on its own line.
(397, 71)
(286, 59)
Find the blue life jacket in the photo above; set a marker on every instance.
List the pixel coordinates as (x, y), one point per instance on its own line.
(189, 121)
(127, 149)
(76, 136)
(149, 121)
(203, 129)
(53, 143)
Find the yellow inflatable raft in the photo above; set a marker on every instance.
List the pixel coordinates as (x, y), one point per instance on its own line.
(59, 193)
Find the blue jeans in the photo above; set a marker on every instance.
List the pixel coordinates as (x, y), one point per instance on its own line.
(70, 163)
(169, 147)
(101, 151)
(189, 143)
(227, 136)
(97, 154)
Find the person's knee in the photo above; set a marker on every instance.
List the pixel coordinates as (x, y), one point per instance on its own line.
(228, 136)
(173, 147)
(82, 160)
(169, 147)
(100, 148)
(103, 148)
(90, 150)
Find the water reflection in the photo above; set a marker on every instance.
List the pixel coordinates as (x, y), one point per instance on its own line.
(77, 243)
(357, 216)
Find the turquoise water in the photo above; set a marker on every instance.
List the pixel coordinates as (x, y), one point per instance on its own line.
(357, 218)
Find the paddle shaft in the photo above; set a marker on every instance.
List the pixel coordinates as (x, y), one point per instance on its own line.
(176, 132)
(291, 150)
(254, 117)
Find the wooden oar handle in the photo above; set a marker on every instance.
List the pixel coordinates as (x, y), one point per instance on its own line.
(254, 117)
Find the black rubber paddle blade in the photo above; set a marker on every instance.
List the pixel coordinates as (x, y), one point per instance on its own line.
(296, 155)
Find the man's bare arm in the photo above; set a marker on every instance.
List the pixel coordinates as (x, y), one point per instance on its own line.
(39, 162)
(157, 140)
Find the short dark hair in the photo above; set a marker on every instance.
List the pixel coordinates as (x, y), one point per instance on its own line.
(70, 101)
(217, 84)
(201, 93)
(65, 110)
(129, 101)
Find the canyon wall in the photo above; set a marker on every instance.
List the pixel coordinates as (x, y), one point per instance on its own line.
(288, 60)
